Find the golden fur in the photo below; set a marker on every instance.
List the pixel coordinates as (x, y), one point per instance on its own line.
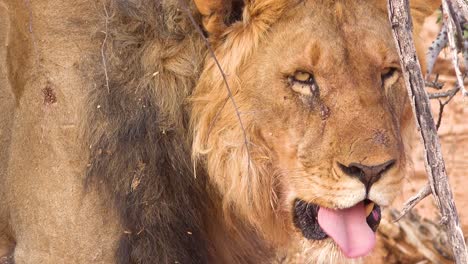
(292, 149)
(126, 147)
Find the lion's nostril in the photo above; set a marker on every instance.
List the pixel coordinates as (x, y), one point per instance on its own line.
(350, 170)
(367, 174)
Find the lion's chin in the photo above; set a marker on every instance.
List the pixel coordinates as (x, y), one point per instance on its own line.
(351, 229)
(325, 251)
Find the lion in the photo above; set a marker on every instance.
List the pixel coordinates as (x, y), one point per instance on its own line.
(199, 132)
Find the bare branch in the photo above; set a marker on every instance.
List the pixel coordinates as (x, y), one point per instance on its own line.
(448, 93)
(450, 22)
(434, 50)
(465, 49)
(442, 105)
(441, 112)
(413, 201)
(435, 84)
(435, 166)
(462, 8)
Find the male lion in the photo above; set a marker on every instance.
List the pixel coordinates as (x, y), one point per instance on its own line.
(121, 141)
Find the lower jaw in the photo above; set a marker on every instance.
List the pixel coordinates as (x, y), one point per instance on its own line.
(324, 251)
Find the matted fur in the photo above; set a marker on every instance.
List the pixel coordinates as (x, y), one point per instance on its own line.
(140, 148)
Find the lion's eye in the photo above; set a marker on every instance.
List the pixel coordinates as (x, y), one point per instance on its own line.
(303, 83)
(389, 76)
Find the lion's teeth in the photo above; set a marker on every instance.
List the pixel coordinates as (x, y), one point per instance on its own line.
(302, 76)
(369, 208)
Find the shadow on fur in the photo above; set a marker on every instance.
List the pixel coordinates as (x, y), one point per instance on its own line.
(138, 133)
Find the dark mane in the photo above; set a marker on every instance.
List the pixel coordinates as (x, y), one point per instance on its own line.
(137, 132)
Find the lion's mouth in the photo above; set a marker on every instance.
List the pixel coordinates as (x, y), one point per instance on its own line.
(352, 229)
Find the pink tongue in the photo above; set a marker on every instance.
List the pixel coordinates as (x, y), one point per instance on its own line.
(349, 229)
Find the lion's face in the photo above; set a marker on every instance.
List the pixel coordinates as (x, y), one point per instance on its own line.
(324, 109)
(330, 105)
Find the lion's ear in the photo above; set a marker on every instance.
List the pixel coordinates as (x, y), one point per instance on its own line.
(420, 9)
(215, 14)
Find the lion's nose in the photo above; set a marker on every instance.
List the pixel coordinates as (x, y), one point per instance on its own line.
(367, 174)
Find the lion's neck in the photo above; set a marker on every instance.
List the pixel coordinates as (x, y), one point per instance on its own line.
(232, 240)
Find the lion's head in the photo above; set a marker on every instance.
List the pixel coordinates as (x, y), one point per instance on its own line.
(308, 139)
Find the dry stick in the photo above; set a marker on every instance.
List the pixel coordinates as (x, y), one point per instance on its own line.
(434, 50)
(402, 32)
(448, 93)
(442, 105)
(103, 47)
(228, 88)
(423, 193)
(451, 25)
(465, 50)
(462, 7)
(441, 112)
(435, 84)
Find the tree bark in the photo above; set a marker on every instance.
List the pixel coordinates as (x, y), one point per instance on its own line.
(402, 32)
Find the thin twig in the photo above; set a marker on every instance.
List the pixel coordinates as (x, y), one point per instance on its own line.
(441, 112)
(103, 48)
(451, 24)
(228, 88)
(465, 49)
(434, 50)
(442, 105)
(215, 118)
(402, 31)
(435, 84)
(448, 93)
(413, 201)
